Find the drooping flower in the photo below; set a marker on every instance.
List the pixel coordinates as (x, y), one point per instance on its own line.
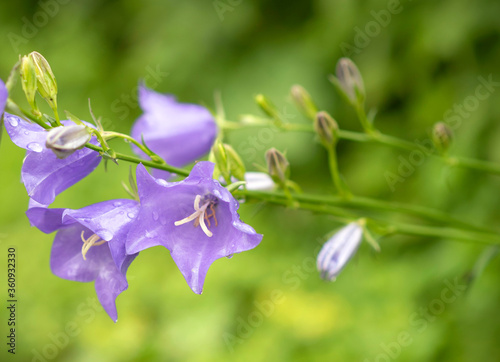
(4, 94)
(90, 245)
(180, 133)
(64, 141)
(338, 250)
(43, 174)
(196, 219)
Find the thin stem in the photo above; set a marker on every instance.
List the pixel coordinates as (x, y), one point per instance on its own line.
(367, 204)
(120, 156)
(334, 171)
(147, 151)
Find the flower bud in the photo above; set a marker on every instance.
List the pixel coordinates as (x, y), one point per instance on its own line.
(46, 81)
(266, 106)
(228, 162)
(28, 81)
(442, 136)
(65, 140)
(326, 128)
(277, 166)
(259, 181)
(350, 81)
(303, 101)
(337, 251)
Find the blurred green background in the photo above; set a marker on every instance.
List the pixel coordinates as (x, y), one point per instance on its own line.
(417, 65)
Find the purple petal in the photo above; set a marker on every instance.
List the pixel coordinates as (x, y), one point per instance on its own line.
(45, 219)
(4, 94)
(66, 262)
(45, 176)
(178, 132)
(163, 203)
(109, 220)
(24, 134)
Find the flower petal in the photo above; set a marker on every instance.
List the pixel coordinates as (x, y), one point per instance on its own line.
(24, 134)
(45, 176)
(180, 133)
(164, 203)
(108, 220)
(4, 94)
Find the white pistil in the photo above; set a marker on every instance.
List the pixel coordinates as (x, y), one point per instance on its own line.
(199, 216)
(94, 240)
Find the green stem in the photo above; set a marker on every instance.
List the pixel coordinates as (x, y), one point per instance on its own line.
(367, 204)
(334, 171)
(396, 228)
(120, 156)
(147, 151)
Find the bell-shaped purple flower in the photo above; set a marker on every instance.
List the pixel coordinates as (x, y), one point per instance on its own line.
(90, 245)
(4, 94)
(338, 250)
(180, 133)
(43, 174)
(196, 219)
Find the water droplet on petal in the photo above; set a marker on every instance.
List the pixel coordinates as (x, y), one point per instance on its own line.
(34, 146)
(105, 234)
(131, 215)
(13, 121)
(162, 182)
(26, 133)
(229, 256)
(155, 216)
(117, 203)
(151, 234)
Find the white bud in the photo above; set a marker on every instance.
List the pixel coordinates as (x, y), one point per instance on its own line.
(338, 250)
(67, 139)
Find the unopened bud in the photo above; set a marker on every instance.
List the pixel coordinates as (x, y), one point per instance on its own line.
(29, 82)
(65, 140)
(326, 128)
(46, 81)
(350, 80)
(228, 162)
(337, 251)
(303, 101)
(442, 136)
(266, 106)
(277, 166)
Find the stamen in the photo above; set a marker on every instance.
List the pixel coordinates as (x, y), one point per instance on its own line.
(90, 242)
(200, 216)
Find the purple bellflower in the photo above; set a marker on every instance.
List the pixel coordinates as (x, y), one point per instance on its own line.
(180, 133)
(4, 94)
(196, 219)
(90, 245)
(43, 174)
(338, 250)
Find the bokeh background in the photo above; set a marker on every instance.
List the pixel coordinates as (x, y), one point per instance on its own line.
(417, 66)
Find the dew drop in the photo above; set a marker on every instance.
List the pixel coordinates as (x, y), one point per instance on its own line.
(13, 121)
(155, 216)
(26, 133)
(117, 203)
(131, 215)
(34, 146)
(105, 234)
(162, 182)
(150, 235)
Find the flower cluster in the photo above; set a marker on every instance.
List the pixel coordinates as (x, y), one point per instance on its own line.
(196, 218)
